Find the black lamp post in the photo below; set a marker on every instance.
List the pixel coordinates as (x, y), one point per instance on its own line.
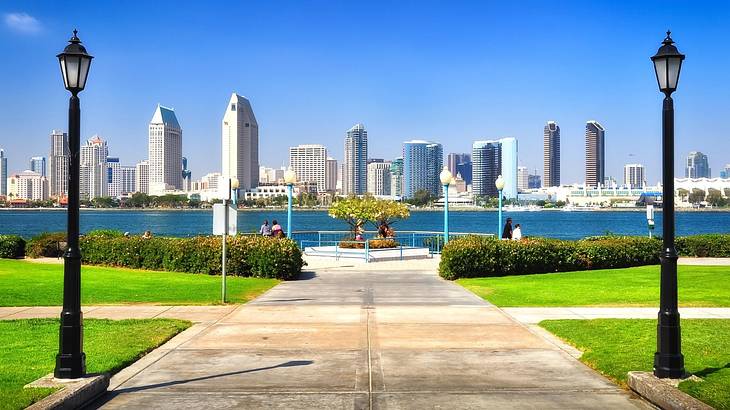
(71, 360)
(668, 359)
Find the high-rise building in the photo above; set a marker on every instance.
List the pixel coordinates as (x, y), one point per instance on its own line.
(129, 180)
(379, 178)
(697, 166)
(454, 159)
(58, 164)
(465, 170)
(523, 182)
(113, 177)
(396, 177)
(551, 154)
(634, 176)
(422, 164)
(595, 154)
(509, 166)
(28, 185)
(38, 164)
(309, 162)
(354, 165)
(725, 173)
(142, 177)
(240, 143)
(165, 151)
(3, 173)
(486, 158)
(93, 168)
(534, 181)
(187, 175)
(330, 175)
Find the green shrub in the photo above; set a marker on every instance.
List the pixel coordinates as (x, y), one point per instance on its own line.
(12, 246)
(379, 243)
(106, 233)
(479, 256)
(711, 245)
(256, 256)
(45, 245)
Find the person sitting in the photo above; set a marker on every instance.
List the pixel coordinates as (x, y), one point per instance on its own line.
(517, 233)
(265, 229)
(276, 230)
(147, 235)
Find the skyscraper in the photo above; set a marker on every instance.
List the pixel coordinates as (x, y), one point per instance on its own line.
(396, 177)
(129, 180)
(187, 175)
(486, 159)
(551, 154)
(509, 166)
(331, 175)
(93, 168)
(523, 181)
(379, 178)
(634, 176)
(725, 173)
(3, 173)
(595, 154)
(240, 143)
(422, 164)
(165, 151)
(309, 162)
(38, 164)
(354, 166)
(142, 177)
(113, 177)
(454, 159)
(534, 181)
(697, 166)
(58, 164)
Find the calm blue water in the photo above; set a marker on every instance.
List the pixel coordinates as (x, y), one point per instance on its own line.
(555, 224)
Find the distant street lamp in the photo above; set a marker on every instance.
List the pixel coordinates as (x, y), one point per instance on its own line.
(668, 359)
(290, 178)
(446, 178)
(71, 360)
(499, 183)
(234, 185)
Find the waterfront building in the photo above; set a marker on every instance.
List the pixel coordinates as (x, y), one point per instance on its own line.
(38, 164)
(240, 143)
(270, 175)
(551, 154)
(697, 166)
(309, 162)
(165, 151)
(128, 180)
(422, 164)
(396, 177)
(725, 173)
(453, 161)
(486, 157)
(354, 166)
(58, 164)
(113, 177)
(465, 170)
(142, 177)
(93, 168)
(28, 185)
(509, 166)
(379, 178)
(3, 173)
(330, 175)
(634, 175)
(459, 185)
(187, 175)
(595, 153)
(534, 181)
(522, 179)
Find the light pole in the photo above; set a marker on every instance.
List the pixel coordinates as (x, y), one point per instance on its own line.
(290, 177)
(71, 360)
(668, 359)
(234, 185)
(446, 178)
(499, 183)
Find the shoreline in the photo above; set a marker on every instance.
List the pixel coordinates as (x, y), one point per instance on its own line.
(297, 209)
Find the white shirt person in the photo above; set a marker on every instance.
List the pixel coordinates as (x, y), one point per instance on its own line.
(517, 233)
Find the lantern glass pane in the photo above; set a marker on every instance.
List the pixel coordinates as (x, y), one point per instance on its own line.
(72, 71)
(673, 71)
(62, 60)
(660, 66)
(85, 62)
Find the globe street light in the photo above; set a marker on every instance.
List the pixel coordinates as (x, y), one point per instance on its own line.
(668, 359)
(290, 177)
(71, 360)
(499, 183)
(446, 178)
(234, 185)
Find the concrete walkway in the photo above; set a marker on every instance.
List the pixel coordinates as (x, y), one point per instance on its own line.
(349, 339)
(116, 312)
(532, 315)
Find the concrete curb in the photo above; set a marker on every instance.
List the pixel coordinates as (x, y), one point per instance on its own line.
(663, 392)
(74, 393)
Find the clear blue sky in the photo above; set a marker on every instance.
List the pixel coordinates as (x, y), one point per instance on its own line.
(451, 72)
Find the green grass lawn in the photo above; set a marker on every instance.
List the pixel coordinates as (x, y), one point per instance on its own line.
(29, 347)
(704, 286)
(616, 346)
(24, 283)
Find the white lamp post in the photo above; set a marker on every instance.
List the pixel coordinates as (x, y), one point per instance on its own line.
(499, 183)
(446, 179)
(290, 177)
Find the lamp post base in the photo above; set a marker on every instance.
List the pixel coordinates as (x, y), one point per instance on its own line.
(71, 365)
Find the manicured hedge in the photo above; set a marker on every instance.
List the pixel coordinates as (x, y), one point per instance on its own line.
(12, 246)
(712, 245)
(255, 256)
(45, 245)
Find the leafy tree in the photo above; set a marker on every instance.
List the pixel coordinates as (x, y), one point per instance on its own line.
(356, 211)
(104, 202)
(421, 197)
(388, 212)
(682, 193)
(714, 198)
(696, 196)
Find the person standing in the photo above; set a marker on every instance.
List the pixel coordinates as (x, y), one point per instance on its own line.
(507, 232)
(265, 229)
(517, 233)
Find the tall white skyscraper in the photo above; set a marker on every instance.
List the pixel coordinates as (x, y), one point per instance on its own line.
(58, 164)
(634, 175)
(309, 162)
(379, 178)
(165, 151)
(142, 177)
(113, 177)
(129, 176)
(354, 165)
(3, 173)
(331, 175)
(93, 168)
(509, 167)
(240, 143)
(38, 164)
(523, 179)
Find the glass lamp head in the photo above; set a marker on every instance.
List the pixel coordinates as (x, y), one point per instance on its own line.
(445, 176)
(667, 65)
(75, 63)
(290, 177)
(235, 183)
(499, 183)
